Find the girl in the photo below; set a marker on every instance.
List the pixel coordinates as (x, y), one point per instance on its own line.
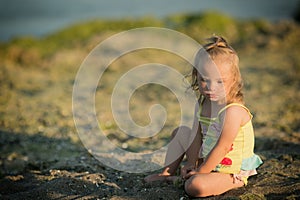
(219, 148)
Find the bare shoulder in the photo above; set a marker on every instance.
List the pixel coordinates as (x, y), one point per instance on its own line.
(238, 113)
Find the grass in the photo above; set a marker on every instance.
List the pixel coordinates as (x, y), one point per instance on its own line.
(37, 76)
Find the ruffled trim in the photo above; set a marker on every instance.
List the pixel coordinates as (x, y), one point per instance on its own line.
(243, 176)
(251, 163)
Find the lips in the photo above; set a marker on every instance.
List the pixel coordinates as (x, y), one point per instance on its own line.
(211, 95)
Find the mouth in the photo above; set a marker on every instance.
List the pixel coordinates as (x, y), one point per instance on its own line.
(211, 96)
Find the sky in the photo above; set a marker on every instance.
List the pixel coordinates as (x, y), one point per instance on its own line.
(42, 17)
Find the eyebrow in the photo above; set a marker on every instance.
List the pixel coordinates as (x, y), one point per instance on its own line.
(206, 77)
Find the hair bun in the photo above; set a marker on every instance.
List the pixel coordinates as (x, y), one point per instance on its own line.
(218, 42)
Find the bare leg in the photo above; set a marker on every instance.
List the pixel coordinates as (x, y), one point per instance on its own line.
(175, 154)
(203, 185)
(177, 148)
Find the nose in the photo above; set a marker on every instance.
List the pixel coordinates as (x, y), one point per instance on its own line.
(211, 86)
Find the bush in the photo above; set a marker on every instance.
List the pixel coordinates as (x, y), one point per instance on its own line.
(200, 26)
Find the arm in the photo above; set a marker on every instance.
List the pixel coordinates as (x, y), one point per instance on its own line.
(232, 123)
(192, 152)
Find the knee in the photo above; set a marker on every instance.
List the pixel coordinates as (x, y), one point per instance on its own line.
(194, 187)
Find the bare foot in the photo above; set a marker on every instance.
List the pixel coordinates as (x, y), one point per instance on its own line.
(173, 178)
(156, 177)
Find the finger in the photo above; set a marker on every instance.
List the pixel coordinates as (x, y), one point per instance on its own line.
(188, 175)
(183, 171)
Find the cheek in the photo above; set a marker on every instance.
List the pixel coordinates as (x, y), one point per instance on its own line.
(201, 84)
(201, 87)
(222, 90)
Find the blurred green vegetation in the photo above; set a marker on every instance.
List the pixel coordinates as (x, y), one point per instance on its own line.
(28, 51)
(37, 76)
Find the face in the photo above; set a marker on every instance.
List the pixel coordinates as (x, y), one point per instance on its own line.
(215, 80)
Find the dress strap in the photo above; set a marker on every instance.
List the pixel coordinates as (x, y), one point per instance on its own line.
(201, 100)
(235, 104)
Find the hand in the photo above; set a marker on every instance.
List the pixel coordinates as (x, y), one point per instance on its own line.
(186, 169)
(189, 174)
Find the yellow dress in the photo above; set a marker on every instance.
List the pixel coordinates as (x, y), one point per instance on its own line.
(241, 156)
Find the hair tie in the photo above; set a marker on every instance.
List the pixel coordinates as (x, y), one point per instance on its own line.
(217, 41)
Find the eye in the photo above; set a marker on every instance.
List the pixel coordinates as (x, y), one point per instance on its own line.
(220, 82)
(204, 80)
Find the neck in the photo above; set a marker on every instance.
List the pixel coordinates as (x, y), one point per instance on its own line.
(212, 108)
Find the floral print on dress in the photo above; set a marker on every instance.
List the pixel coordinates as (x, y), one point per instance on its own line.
(227, 161)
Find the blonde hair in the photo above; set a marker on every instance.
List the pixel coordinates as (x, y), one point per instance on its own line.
(218, 48)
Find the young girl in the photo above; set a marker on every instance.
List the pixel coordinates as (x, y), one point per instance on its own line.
(219, 148)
